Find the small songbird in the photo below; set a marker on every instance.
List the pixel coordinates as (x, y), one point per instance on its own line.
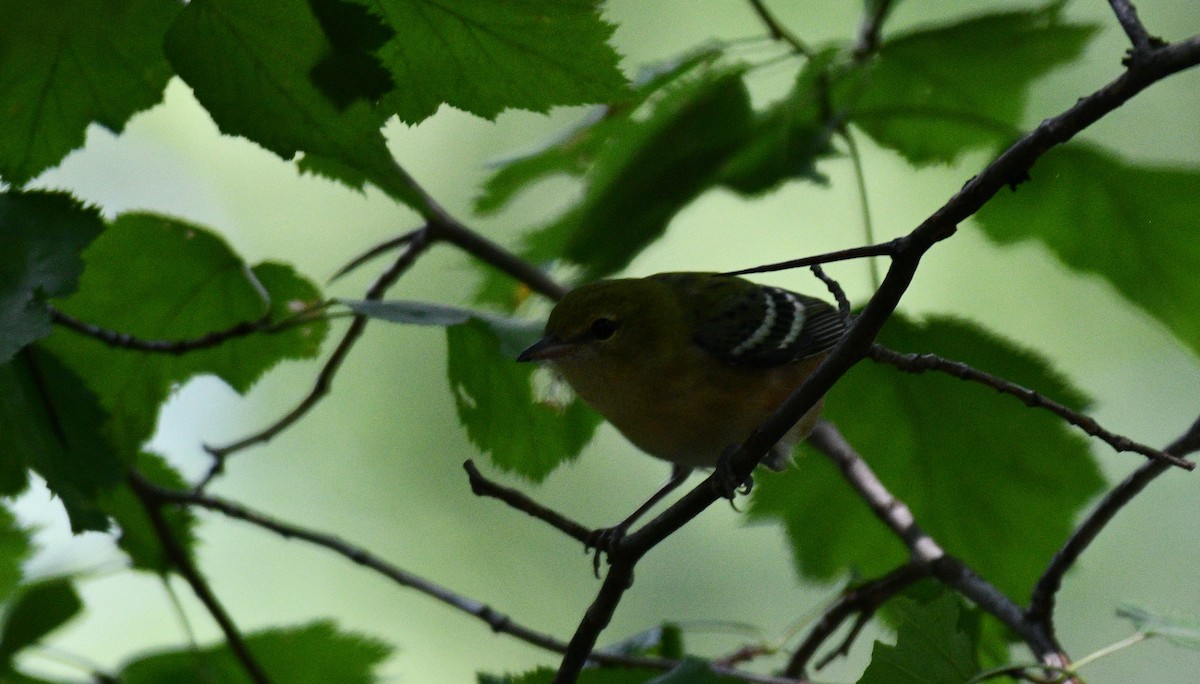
(688, 365)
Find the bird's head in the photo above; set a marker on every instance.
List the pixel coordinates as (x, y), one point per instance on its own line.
(611, 321)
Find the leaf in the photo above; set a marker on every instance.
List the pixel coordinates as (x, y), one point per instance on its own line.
(1132, 225)
(138, 538)
(67, 63)
(51, 422)
(932, 645)
(1180, 631)
(999, 497)
(575, 149)
(38, 609)
(936, 93)
(41, 236)
(316, 653)
(249, 64)
(787, 139)
(14, 550)
(495, 401)
(413, 313)
(186, 283)
(485, 56)
(639, 181)
(662, 641)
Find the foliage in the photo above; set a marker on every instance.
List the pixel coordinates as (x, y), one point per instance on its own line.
(103, 317)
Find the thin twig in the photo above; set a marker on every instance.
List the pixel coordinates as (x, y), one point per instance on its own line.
(894, 513)
(497, 621)
(860, 182)
(777, 30)
(122, 340)
(482, 486)
(921, 363)
(378, 250)
(890, 249)
(1138, 35)
(1041, 604)
(324, 380)
(870, 26)
(147, 494)
(861, 600)
(835, 289)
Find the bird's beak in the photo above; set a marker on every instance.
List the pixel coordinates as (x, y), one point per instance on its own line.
(546, 349)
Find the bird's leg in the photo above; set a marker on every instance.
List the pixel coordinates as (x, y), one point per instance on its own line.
(605, 539)
(725, 482)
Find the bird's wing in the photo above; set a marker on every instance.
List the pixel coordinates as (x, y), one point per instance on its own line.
(744, 323)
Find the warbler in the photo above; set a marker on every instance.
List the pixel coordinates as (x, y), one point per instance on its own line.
(688, 365)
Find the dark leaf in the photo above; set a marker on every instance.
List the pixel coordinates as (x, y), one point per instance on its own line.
(41, 237)
(68, 63)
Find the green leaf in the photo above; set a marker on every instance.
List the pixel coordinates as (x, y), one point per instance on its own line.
(317, 653)
(14, 550)
(41, 236)
(1000, 498)
(1132, 225)
(409, 312)
(67, 63)
(935, 93)
(158, 278)
(485, 56)
(249, 64)
(575, 149)
(138, 538)
(664, 641)
(1180, 631)
(51, 422)
(495, 401)
(933, 646)
(38, 609)
(639, 181)
(787, 139)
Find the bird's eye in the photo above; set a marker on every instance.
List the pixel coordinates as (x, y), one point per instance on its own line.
(603, 328)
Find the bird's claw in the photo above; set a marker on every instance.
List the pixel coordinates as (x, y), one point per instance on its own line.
(603, 541)
(726, 483)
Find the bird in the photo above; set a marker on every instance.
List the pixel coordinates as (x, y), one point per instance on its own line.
(687, 365)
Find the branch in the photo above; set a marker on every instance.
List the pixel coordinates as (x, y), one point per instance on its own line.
(1140, 38)
(920, 363)
(870, 26)
(482, 486)
(497, 621)
(418, 244)
(861, 601)
(122, 340)
(1041, 604)
(893, 512)
(777, 30)
(891, 249)
(148, 494)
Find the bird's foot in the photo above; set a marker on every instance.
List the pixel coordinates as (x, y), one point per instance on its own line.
(604, 541)
(726, 482)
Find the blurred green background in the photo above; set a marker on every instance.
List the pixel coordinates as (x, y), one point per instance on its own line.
(379, 462)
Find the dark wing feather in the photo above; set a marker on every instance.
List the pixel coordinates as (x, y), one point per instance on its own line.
(743, 323)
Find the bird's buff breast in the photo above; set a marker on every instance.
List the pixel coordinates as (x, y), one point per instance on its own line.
(686, 420)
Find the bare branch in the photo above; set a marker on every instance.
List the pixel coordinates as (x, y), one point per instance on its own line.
(920, 363)
(482, 486)
(147, 493)
(1140, 38)
(417, 245)
(1041, 605)
(893, 512)
(870, 26)
(836, 290)
(891, 248)
(777, 30)
(497, 621)
(122, 340)
(597, 617)
(378, 250)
